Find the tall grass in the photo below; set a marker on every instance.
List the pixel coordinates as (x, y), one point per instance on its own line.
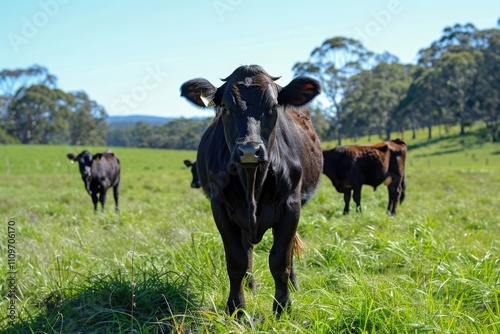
(158, 266)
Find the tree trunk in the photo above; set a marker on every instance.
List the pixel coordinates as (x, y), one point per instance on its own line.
(413, 128)
(388, 133)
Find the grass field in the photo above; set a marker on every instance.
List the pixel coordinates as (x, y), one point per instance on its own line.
(158, 266)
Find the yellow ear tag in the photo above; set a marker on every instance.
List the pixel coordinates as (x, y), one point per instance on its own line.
(97, 159)
(206, 101)
(72, 161)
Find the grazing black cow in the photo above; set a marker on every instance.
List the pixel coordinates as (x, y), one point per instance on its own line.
(99, 173)
(258, 163)
(349, 167)
(195, 183)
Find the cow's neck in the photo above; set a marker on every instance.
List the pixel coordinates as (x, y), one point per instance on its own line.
(253, 179)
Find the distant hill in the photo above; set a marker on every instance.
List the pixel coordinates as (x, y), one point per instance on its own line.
(131, 120)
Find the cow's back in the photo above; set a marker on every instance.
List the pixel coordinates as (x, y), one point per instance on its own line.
(106, 170)
(307, 148)
(373, 163)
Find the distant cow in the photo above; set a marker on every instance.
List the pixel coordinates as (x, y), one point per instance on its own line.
(258, 163)
(349, 167)
(99, 173)
(195, 183)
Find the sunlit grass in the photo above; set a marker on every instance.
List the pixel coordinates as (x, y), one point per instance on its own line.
(158, 266)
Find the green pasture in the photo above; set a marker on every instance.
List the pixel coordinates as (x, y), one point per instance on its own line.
(158, 266)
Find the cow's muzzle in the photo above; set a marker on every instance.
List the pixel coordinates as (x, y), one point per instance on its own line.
(251, 154)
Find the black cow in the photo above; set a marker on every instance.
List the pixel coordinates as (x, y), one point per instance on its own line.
(195, 183)
(99, 173)
(349, 167)
(258, 163)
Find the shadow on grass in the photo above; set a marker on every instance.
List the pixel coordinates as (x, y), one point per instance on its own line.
(442, 152)
(103, 304)
(468, 139)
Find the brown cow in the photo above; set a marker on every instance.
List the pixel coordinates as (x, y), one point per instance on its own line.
(258, 163)
(349, 167)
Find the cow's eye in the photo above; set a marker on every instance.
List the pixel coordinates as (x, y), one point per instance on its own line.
(274, 109)
(223, 110)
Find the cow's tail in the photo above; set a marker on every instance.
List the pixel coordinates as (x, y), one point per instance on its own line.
(297, 244)
(403, 191)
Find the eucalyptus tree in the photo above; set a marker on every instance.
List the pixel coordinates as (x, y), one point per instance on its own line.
(333, 64)
(11, 80)
(88, 121)
(39, 114)
(487, 84)
(373, 97)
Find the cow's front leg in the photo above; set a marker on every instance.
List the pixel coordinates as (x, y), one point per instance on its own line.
(394, 195)
(94, 200)
(347, 199)
(356, 196)
(116, 191)
(102, 198)
(236, 260)
(249, 278)
(280, 260)
(389, 206)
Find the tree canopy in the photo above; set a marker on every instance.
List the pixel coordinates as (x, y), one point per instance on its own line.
(35, 111)
(455, 81)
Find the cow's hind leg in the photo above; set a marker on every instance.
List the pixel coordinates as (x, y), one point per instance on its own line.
(293, 279)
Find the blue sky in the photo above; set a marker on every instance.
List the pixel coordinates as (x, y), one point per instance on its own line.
(132, 56)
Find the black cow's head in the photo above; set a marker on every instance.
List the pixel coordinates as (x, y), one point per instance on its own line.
(85, 160)
(250, 104)
(195, 183)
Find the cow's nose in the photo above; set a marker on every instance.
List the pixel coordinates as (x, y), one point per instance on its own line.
(250, 153)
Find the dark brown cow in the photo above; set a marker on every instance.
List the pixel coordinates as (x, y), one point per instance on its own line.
(349, 167)
(258, 163)
(99, 173)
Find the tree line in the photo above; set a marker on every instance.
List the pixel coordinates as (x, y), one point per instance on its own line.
(456, 80)
(183, 133)
(34, 111)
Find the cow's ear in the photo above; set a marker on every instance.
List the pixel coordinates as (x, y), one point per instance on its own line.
(97, 157)
(200, 92)
(299, 91)
(71, 157)
(188, 163)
